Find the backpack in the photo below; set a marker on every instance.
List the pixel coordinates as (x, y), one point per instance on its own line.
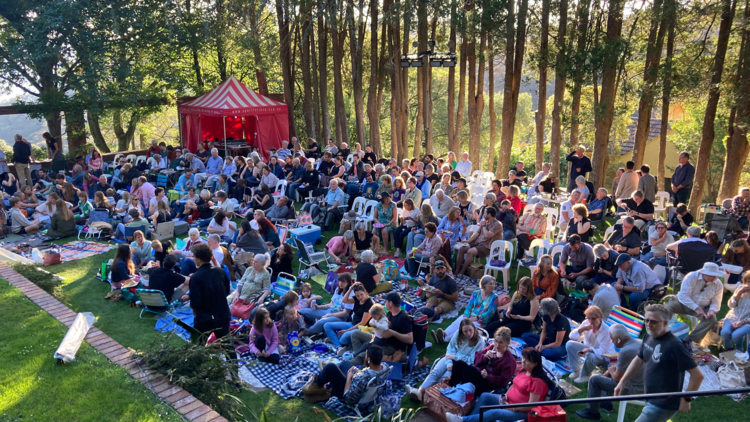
(419, 326)
(573, 308)
(390, 270)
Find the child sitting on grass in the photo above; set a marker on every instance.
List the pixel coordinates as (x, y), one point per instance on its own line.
(379, 322)
(292, 322)
(307, 300)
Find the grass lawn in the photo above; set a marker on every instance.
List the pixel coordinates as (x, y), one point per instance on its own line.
(33, 387)
(85, 293)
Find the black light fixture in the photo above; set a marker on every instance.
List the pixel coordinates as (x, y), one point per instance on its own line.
(417, 63)
(449, 63)
(405, 62)
(436, 63)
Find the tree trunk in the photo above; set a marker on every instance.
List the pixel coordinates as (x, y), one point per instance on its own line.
(561, 73)
(194, 50)
(373, 106)
(338, 39)
(285, 51)
(670, 12)
(220, 42)
(605, 109)
(356, 41)
(462, 65)
(452, 144)
(493, 115)
(579, 75)
(315, 89)
(476, 91)
(404, 79)
(737, 144)
(325, 123)
(54, 124)
(418, 122)
(513, 72)
(124, 136)
(714, 92)
(75, 128)
(306, 66)
(96, 132)
(650, 72)
(260, 74)
(541, 109)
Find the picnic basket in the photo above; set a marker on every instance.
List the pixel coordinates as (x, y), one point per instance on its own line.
(438, 405)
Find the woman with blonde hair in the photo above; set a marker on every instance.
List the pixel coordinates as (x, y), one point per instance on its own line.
(101, 202)
(445, 184)
(385, 186)
(545, 278)
(62, 223)
(398, 189)
(519, 312)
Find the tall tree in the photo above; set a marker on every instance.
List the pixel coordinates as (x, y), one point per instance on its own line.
(580, 72)
(671, 16)
(325, 119)
(541, 109)
(307, 70)
(338, 40)
(650, 72)
(714, 92)
(283, 14)
(604, 108)
(453, 145)
(737, 144)
(356, 26)
(476, 84)
(493, 114)
(515, 34)
(561, 73)
(423, 86)
(462, 67)
(377, 75)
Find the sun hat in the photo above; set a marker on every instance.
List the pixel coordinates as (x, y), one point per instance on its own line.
(711, 269)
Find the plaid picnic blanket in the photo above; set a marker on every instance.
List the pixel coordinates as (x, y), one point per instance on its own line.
(82, 249)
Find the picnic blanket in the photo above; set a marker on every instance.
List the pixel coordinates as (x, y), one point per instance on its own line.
(710, 382)
(82, 249)
(166, 323)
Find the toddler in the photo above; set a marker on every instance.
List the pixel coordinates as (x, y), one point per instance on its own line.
(291, 322)
(379, 322)
(307, 300)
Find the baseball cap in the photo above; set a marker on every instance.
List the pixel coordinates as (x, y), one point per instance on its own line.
(623, 258)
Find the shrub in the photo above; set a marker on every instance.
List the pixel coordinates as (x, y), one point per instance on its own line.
(50, 283)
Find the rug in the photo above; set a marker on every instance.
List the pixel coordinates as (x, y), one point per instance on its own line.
(166, 323)
(82, 249)
(710, 382)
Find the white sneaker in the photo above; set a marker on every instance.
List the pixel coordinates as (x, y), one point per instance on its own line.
(341, 350)
(450, 417)
(581, 380)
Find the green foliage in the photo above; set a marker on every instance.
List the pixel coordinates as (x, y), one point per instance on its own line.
(50, 283)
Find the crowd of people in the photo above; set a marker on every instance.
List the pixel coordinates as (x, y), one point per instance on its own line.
(424, 207)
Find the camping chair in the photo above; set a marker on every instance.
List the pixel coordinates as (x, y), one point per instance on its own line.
(98, 223)
(284, 283)
(162, 180)
(542, 245)
(497, 251)
(130, 231)
(155, 302)
(406, 365)
(307, 259)
(725, 225)
(164, 230)
(631, 320)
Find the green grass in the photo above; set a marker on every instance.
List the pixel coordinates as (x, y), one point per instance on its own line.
(33, 387)
(85, 293)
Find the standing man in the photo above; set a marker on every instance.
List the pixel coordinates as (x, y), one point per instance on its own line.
(682, 179)
(647, 183)
(628, 183)
(22, 159)
(700, 296)
(580, 165)
(464, 166)
(665, 360)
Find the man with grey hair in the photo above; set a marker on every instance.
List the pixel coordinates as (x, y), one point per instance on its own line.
(605, 269)
(638, 207)
(604, 385)
(279, 210)
(284, 151)
(214, 165)
(22, 157)
(700, 296)
(602, 295)
(441, 203)
(463, 167)
(580, 165)
(295, 177)
(555, 332)
(625, 239)
(693, 235)
(214, 242)
(598, 206)
(635, 279)
(102, 186)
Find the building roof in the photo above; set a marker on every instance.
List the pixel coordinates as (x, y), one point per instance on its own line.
(654, 130)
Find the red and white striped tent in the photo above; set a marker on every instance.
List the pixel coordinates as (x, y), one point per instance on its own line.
(234, 111)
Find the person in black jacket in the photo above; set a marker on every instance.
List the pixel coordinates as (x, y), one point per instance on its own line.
(310, 180)
(209, 288)
(580, 165)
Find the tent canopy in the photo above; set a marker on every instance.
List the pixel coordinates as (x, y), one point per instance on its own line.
(244, 114)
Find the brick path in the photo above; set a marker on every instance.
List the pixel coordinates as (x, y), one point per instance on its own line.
(183, 402)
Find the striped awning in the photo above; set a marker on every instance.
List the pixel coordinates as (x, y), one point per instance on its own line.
(232, 98)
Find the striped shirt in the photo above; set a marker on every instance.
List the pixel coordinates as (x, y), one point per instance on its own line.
(537, 224)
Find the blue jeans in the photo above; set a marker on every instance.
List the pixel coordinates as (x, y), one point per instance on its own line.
(320, 325)
(137, 261)
(742, 222)
(331, 328)
(635, 299)
(555, 353)
(314, 314)
(489, 399)
(204, 223)
(413, 240)
(292, 189)
(188, 267)
(734, 338)
(653, 413)
(603, 278)
(662, 260)
(509, 235)
(412, 264)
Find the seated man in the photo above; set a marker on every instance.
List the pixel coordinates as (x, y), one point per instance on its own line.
(159, 195)
(600, 385)
(602, 295)
(681, 220)
(598, 206)
(442, 293)
(441, 204)
(531, 226)
(136, 221)
(634, 278)
(330, 205)
(398, 336)
(604, 265)
(581, 258)
(19, 223)
(692, 251)
(741, 207)
(700, 296)
(224, 204)
(639, 208)
(164, 279)
(625, 239)
(478, 245)
(279, 210)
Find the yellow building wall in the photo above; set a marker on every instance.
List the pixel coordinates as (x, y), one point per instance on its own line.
(651, 156)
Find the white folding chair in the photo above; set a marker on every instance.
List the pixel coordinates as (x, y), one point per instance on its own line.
(608, 232)
(369, 215)
(556, 250)
(477, 174)
(477, 200)
(140, 160)
(350, 158)
(359, 206)
(528, 208)
(661, 203)
(541, 246)
(498, 251)
(130, 158)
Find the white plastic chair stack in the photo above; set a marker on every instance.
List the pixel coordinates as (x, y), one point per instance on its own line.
(359, 206)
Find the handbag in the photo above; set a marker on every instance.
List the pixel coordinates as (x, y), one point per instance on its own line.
(731, 376)
(242, 308)
(548, 414)
(52, 258)
(332, 282)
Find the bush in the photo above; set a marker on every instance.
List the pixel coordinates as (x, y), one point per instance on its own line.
(50, 283)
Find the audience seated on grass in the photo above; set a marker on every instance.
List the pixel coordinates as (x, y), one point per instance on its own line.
(122, 266)
(700, 296)
(439, 292)
(339, 333)
(591, 341)
(604, 296)
(164, 279)
(659, 238)
(336, 310)
(62, 223)
(480, 310)
(255, 284)
(519, 312)
(19, 223)
(209, 287)
(555, 332)
(626, 238)
(398, 337)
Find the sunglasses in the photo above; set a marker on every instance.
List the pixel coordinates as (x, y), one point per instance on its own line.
(652, 321)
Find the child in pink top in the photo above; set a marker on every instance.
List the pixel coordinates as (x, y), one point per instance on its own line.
(306, 299)
(264, 338)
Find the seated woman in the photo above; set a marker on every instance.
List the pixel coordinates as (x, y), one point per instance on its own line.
(9, 183)
(122, 266)
(520, 313)
(135, 204)
(255, 284)
(28, 199)
(545, 279)
(264, 338)
(555, 332)
(737, 322)
(417, 232)
(462, 347)
(591, 340)
(336, 311)
(431, 245)
(101, 203)
(738, 254)
(267, 230)
(370, 276)
(347, 382)
(203, 206)
(529, 386)
(493, 366)
(409, 219)
(262, 199)
(659, 239)
(386, 218)
(161, 215)
(363, 240)
(45, 210)
(452, 227)
(96, 164)
(445, 184)
(579, 224)
(249, 240)
(340, 247)
(397, 191)
(281, 261)
(19, 224)
(482, 306)
(141, 249)
(220, 225)
(193, 239)
(62, 223)
(339, 332)
(515, 199)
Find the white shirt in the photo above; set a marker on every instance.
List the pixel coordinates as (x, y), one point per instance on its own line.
(464, 168)
(692, 297)
(661, 247)
(152, 202)
(226, 207)
(218, 255)
(535, 182)
(441, 208)
(566, 213)
(598, 341)
(224, 227)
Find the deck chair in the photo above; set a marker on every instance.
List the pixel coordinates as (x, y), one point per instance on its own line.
(308, 259)
(498, 251)
(164, 230)
(98, 223)
(406, 365)
(631, 320)
(155, 302)
(284, 283)
(162, 180)
(130, 231)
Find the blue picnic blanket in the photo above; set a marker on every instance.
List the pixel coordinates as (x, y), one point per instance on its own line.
(165, 323)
